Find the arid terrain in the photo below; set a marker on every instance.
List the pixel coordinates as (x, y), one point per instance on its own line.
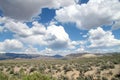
(85, 67)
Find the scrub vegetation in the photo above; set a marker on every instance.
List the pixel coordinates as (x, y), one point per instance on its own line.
(105, 67)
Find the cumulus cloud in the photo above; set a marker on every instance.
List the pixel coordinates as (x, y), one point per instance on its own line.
(59, 38)
(23, 30)
(99, 38)
(81, 49)
(47, 51)
(90, 15)
(52, 36)
(11, 45)
(31, 50)
(27, 9)
(38, 28)
(19, 28)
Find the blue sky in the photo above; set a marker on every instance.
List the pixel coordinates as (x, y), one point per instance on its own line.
(59, 27)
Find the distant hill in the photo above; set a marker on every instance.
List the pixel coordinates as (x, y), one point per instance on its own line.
(4, 56)
(83, 55)
(75, 54)
(89, 55)
(57, 56)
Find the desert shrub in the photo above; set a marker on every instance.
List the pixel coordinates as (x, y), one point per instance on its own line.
(98, 77)
(37, 76)
(32, 70)
(110, 72)
(67, 68)
(42, 68)
(62, 77)
(85, 69)
(11, 71)
(98, 71)
(85, 78)
(21, 71)
(80, 78)
(81, 70)
(104, 78)
(13, 78)
(89, 78)
(8, 69)
(1, 68)
(49, 67)
(115, 78)
(107, 66)
(16, 74)
(58, 70)
(117, 75)
(3, 76)
(25, 65)
(116, 61)
(54, 67)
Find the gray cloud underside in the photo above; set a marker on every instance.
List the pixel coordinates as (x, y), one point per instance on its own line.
(27, 9)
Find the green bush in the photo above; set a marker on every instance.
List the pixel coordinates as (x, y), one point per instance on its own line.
(89, 78)
(3, 76)
(80, 78)
(37, 76)
(107, 66)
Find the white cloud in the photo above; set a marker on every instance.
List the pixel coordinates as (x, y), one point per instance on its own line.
(10, 45)
(38, 28)
(51, 36)
(33, 35)
(58, 32)
(19, 28)
(102, 39)
(90, 15)
(57, 37)
(47, 51)
(27, 9)
(54, 38)
(31, 50)
(80, 50)
(16, 27)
